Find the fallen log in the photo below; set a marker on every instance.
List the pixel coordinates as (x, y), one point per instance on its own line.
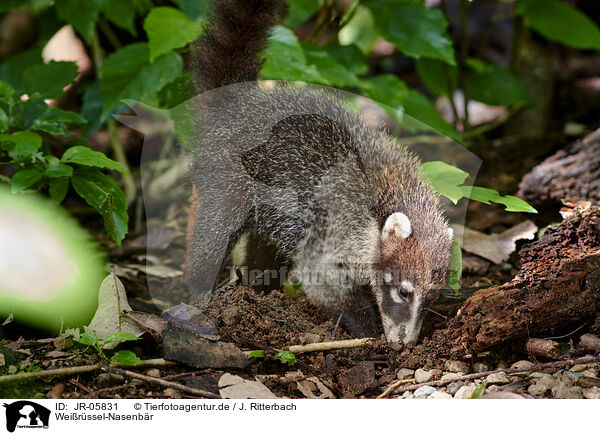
(572, 173)
(558, 286)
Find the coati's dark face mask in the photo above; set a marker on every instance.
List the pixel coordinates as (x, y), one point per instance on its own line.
(411, 279)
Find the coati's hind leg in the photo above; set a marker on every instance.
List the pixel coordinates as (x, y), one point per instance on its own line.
(216, 221)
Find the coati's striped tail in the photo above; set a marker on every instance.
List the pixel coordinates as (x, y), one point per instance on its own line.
(237, 31)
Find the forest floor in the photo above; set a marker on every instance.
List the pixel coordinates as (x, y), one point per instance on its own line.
(240, 320)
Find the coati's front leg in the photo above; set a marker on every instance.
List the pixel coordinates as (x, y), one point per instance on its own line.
(215, 223)
(360, 315)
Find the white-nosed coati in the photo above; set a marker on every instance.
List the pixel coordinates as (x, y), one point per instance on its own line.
(307, 175)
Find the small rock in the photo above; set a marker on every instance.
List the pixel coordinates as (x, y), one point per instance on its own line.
(501, 365)
(591, 393)
(588, 382)
(592, 372)
(422, 376)
(2, 360)
(493, 388)
(424, 391)
(107, 379)
(465, 392)
(563, 391)
(172, 393)
(408, 395)
(523, 364)
(405, 374)
(536, 375)
(154, 373)
(579, 367)
(449, 376)
(501, 395)
(439, 395)
(537, 389)
(479, 367)
(454, 387)
(499, 378)
(456, 366)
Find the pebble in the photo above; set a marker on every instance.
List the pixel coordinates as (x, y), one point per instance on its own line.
(2, 360)
(523, 364)
(465, 392)
(479, 367)
(154, 373)
(405, 374)
(408, 395)
(563, 391)
(579, 367)
(588, 382)
(591, 393)
(422, 376)
(536, 375)
(542, 385)
(501, 365)
(424, 391)
(591, 372)
(172, 393)
(449, 376)
(454, 387)
(456, 366)
(499, 378)
(439, 395)
(12, 370)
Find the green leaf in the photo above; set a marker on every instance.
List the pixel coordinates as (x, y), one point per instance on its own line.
(58, 189)
(416, 31)
(286, 357)
(417, 106)
(168, 29)
(11, 70)
(331, 72)
(193, 8)
(88, 157)
(8, 95)
(120, 337)
(57, 121)
(455, 267)
(285, 59)
(24, 179)
(495, 85)
(360, 31)
(560, 22)
(49, 79)
(486, 195)
(58, 170)
(300, 11)
(4, 123)
(25, 113)
(257, 354)
(91, 108)
(81, 14)
(445, 179)
(438, 76)
(104, 194)
(87, 339)
(387, 89)
(128, 74)
(122, 13)
(126, 357)
(349, 56)
(21, 144)
(478, 392)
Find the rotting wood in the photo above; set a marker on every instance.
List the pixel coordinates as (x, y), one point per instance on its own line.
(572, 173)
(542, 348)
(557, 286)
(590, 342)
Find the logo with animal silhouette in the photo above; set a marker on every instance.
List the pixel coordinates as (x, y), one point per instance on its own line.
(25, 414)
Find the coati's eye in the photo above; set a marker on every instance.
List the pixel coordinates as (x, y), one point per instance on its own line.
(403, 292)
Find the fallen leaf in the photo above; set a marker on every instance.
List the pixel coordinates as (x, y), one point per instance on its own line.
(235, 387)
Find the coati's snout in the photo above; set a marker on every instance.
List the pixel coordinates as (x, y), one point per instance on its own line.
(414, 269)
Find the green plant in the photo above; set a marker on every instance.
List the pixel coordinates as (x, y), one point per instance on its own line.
(283, 356)
(100, 346)
(137, 46)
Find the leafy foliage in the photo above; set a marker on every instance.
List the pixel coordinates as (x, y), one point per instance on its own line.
(100, 346)
(138, 45)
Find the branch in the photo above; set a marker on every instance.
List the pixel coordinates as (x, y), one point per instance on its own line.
(331, 345)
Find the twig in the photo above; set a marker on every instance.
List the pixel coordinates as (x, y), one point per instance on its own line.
(395, 385)
(533, 368)
(331, 345)
(80, 385)
(67, 371)
(161, 382)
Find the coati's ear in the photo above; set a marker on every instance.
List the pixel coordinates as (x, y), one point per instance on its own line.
(398, 225)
